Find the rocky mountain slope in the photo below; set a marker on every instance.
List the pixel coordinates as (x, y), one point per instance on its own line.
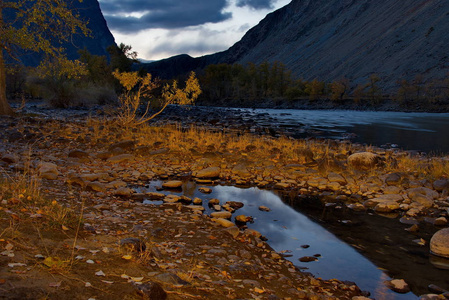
(100, 37)
(331, 39)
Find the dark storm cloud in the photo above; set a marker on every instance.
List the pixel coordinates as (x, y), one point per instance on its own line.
(255, 4)
(162, 14)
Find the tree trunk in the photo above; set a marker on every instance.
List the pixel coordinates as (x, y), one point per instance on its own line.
(5, 108)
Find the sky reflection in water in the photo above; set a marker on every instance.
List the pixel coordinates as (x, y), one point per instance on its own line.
(287, 229)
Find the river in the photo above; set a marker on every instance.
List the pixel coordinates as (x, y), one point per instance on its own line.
(427, 132)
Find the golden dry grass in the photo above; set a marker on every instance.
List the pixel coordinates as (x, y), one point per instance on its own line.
(282, 149)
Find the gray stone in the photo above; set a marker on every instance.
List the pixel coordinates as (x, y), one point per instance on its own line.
(440, 185)
(439, 243)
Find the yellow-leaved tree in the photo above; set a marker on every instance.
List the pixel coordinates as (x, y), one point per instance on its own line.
(34, 26)
(137, 89)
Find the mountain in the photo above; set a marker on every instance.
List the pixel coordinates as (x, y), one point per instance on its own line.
(329, 39)
(100, 37)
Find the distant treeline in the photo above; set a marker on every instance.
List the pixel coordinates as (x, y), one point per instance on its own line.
(225, 84)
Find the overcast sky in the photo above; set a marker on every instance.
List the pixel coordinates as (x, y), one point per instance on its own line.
(159, 29)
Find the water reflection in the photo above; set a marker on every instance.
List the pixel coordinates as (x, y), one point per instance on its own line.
(288, 230)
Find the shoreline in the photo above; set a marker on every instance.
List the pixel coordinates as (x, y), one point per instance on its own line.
(326, 104)
(309, 167)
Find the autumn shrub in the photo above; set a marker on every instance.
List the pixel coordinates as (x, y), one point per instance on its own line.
(137, 90)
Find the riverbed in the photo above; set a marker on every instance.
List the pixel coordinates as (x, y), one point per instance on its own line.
(363, 248)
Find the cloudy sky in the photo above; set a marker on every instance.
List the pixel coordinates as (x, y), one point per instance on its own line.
(159, 29)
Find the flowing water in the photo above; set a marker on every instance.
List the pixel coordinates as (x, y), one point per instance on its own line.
(427, 132)
(363, 248)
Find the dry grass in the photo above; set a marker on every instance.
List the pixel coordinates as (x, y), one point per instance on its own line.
(278, 150)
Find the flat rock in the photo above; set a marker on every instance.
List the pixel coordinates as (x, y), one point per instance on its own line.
(155, 196)
(211, 172)
(205, 190)
(223, 222)
(386, 206)
(221, 214)
(398, 285)
(124, 192)
(171, 199)
(120, 158)
(174, 184)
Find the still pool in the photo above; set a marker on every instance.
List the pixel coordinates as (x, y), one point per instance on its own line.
(364, 248)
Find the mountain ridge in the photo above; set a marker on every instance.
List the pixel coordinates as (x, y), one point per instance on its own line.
(329, 40)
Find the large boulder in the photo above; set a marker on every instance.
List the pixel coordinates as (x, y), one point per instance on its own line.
(364, 160)
(439, 244)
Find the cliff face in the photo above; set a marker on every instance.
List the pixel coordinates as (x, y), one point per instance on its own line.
(100, 37)
(329, 39)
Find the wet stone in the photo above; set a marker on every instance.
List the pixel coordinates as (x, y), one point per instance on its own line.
(398, 285)
(308, 259)
(172, 184)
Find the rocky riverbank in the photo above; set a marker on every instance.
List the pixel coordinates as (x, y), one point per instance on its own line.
(346, 104)
(125, 248)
